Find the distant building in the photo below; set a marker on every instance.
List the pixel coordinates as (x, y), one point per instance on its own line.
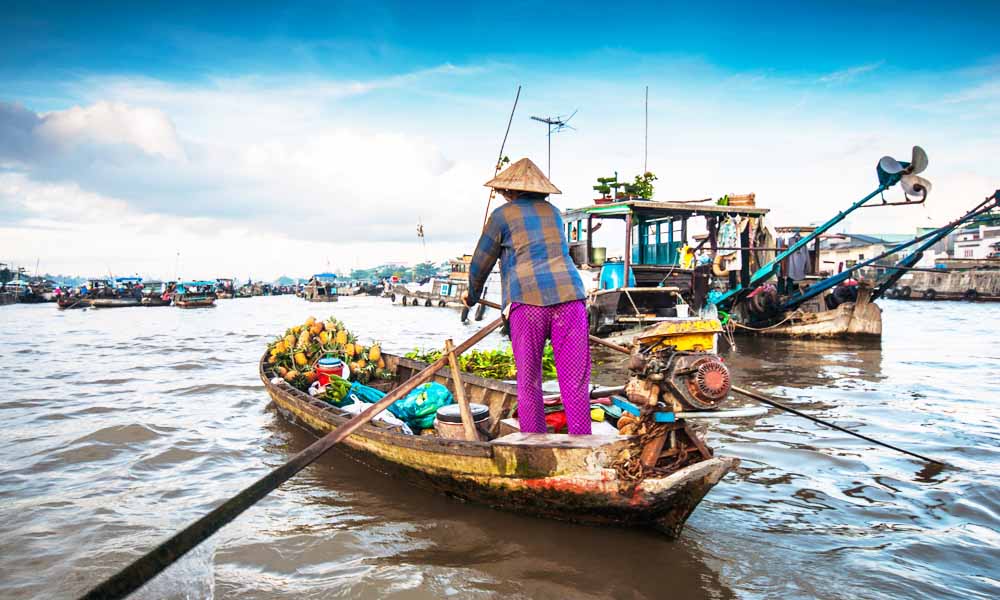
(977, 241)
(839, 251)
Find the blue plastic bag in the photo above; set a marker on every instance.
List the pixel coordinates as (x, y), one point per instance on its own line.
(363, 393)
(417, 409)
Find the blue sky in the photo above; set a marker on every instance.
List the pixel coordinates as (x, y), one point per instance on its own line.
(188, 40)
(206, 124)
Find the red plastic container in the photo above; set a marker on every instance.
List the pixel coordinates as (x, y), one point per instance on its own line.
(327, 367)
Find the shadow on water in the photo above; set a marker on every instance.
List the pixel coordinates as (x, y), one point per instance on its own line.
(767, 362)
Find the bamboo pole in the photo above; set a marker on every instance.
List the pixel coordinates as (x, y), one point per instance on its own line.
(463, 403)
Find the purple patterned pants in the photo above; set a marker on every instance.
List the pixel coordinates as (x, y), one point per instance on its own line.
(566, 325)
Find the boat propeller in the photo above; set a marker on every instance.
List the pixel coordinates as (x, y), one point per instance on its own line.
(892, 171)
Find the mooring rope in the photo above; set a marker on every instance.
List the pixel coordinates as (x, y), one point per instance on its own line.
(792, 315)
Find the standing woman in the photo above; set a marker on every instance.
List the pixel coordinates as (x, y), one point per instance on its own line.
(543, 295)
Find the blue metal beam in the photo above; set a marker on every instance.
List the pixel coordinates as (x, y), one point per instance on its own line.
(767, 271)
(924, 242)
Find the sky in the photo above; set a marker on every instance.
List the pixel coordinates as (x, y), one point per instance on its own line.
(256, 139)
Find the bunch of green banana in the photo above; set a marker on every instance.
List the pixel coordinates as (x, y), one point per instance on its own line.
(336, 390)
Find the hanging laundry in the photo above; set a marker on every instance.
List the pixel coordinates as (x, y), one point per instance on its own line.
(729, 237)
(735, 262)
(798, 261)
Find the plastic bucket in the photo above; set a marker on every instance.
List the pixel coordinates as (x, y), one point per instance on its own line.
(598, 256)
(448, 422)
(327, 367)
(613, 276)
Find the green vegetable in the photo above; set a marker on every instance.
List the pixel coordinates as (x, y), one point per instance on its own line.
(493, 364)
(336, 390)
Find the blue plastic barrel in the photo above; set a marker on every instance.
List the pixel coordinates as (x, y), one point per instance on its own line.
(612, 275)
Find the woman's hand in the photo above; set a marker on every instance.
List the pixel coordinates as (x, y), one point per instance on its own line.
(465, 299)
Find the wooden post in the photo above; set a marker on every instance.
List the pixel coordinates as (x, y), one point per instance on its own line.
(590, 242)
(651, 451)
(463, 403)
(628, 247)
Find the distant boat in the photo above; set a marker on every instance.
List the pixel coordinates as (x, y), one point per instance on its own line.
(158, 293)
(195, 294)
(322, 287)
(224, 289)
(120, 292)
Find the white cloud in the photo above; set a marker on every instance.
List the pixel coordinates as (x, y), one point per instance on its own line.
(848, 74)
(107, 123)
(282, 175)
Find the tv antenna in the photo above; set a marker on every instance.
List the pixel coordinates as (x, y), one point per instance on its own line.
(645, 143)
(420, 234)
(555, 124)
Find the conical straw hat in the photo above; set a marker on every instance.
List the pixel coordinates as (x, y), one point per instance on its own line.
(523, 176)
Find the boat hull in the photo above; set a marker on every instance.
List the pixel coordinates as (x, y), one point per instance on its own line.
(562, 477)
(861, 319)
(72, 303)
(198, 303)
(114, 302)
(408, 297)
(156, 301)
(847, 320)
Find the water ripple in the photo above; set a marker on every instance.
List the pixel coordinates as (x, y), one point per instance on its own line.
(122, 425)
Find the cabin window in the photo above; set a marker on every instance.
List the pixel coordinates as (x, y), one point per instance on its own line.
(576, 232)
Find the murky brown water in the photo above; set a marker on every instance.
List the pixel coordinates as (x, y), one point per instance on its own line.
(120, 426)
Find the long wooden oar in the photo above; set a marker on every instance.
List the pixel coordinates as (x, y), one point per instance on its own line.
(145, 568)
(776, 404)
(784, 407)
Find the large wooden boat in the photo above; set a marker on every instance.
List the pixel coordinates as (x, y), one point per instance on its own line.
(858, 319)
(564, 477)
(655, 279)
(437, 291)
(971, 280)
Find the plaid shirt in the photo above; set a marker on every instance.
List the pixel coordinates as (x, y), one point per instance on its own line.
(535, 267)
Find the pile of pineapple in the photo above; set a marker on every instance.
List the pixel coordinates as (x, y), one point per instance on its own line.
(295, 354)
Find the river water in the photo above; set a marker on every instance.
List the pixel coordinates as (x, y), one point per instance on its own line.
(120, 426)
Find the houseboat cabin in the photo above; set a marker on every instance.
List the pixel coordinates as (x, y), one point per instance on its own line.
(661, 255)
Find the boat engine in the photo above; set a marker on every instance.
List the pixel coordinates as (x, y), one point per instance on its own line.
(674, 370)
(678, 368)
(684, 381)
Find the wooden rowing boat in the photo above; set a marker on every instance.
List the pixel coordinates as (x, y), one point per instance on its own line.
(551, 475)
(69, 302)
